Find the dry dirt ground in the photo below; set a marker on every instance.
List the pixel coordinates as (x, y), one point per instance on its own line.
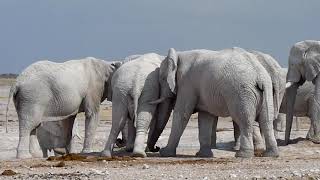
(300, 160)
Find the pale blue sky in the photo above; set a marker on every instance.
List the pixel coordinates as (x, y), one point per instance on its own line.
(58, 30)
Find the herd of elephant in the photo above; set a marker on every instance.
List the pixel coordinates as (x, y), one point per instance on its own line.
(248, 86)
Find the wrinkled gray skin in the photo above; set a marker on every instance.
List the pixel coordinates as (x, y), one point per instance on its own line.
(278, 83)
(48, 91)
(134, 85)
(58, 136)
(218, 83)
(304, 65)
(302, 108)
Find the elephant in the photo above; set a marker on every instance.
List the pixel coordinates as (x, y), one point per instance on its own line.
(49, 91)
(302, 108)
(303, 102)
(58, 136)
(134, 85)
(278, 83)
(304, 65)
(217, 83)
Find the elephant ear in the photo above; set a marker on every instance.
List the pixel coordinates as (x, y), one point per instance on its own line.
(172, 59)
(311, 59)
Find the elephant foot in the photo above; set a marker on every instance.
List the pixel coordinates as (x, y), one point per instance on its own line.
(166, 152)
(236, 147)
(271, 153)
(85, 151)
(23, 155)
(129, 149)
(245, 153)
(60, 151)
(137, 153)
(207, 153)
(36, 154)
(259, 147)
(314, 139)
(105, 153)
(153, 149)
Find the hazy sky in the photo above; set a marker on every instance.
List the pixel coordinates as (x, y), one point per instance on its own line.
(59, 30)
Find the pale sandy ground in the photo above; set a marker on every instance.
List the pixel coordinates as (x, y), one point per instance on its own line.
(297, 161)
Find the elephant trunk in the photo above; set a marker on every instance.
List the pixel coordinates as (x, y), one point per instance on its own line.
(291, 92)
(163, 113)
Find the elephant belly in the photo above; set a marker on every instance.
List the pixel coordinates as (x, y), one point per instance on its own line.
(216, 106)
(63, 106)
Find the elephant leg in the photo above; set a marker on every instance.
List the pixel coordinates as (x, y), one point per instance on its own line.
(29, 120)
(74, 135)
(315, 113)
(279, 124)
(131, 136)
(236, 135)
(44, 152)
(119, 117)
(160, 121)
(257, 138)
(144, 115)
(244, 117)
(267, 131)
(205, 123)
(182, 111)
(91, 123)
(213, 132)
(34, 144)
(310, 133)
(121, 142)
(314, 131)
(246, 140)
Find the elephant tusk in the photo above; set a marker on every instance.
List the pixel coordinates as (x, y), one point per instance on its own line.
(158, 101)
(289, 84)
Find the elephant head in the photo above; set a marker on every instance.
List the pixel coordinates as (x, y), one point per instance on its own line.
(109, 71)
(304, 65)
(167, 80)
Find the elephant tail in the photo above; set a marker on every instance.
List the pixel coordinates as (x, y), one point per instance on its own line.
(277, 102)
(13, 90)
(267, 102)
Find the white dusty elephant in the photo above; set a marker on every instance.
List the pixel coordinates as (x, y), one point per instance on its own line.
(58, 136)
(49, 91)
(278, 83)
(302, 108)
(218, 83)
(134, 85)
(304, 65)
